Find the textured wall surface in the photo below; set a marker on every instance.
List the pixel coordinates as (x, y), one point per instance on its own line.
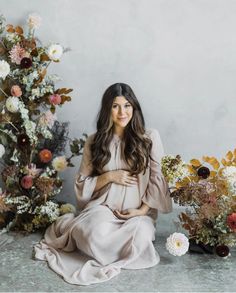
(179, 56)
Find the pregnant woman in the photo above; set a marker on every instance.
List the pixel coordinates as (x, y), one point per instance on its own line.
(119, 189)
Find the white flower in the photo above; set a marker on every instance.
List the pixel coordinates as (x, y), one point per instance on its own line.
(49, 209)
(177, 244)
(13, 38)
(12, 104)
(2, 150)
(4, 69)
(23, 203)
(34, 21)
(59, 163)
(229, 171)
(54, 52)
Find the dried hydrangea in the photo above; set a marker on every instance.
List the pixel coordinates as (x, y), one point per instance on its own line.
(44, 184)
(173, 168)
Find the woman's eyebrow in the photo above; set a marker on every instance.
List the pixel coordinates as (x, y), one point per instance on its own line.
(115, 103)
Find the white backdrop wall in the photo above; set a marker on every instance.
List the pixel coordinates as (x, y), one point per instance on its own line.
(179, 56)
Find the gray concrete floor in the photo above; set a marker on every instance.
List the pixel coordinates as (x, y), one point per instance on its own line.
(189, 273)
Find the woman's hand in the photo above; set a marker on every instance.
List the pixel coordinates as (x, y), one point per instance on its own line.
(123, 177)
(127, 214)
(130, 213)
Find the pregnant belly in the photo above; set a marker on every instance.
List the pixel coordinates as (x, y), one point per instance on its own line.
(122, 197)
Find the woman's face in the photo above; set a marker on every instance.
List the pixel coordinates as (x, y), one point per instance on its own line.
(121, 112)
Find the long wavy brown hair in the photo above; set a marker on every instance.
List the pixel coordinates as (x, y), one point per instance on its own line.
(137, 146)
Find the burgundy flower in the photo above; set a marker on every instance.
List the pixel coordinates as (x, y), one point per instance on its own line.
(222, 250)
(203, 172)
(231, 221)
(26, 62)
(23, 141)
(26, 182)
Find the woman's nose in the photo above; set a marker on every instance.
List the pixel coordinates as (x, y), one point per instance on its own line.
(121, 110)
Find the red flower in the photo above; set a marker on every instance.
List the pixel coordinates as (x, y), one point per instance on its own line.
(45, 156)
(26, 182)
(231, 221)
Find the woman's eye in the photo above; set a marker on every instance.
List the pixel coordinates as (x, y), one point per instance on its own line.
(114, 106)
(127, 106)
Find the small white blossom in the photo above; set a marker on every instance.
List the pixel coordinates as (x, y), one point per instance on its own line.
(53, 78)
(49, 209)
(29, 125)
(22, 203)
(2, 150)
(229, 171)
(13, 38)
(4, 69)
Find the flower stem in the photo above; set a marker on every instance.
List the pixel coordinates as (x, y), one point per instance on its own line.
(3, 92)
(12, 125)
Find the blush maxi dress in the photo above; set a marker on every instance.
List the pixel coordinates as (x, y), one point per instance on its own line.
(95, 245)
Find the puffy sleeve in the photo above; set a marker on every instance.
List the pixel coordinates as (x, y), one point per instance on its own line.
(157, 194)
(84, 182)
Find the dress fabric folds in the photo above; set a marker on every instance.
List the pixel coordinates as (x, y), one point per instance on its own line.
(95, 245)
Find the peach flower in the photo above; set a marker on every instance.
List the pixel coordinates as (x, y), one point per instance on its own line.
(55, 99)
(16, 91)
(26, 182)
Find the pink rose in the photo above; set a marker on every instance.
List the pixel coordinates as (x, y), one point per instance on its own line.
(27, 182)
(16, 91)
(55, 99)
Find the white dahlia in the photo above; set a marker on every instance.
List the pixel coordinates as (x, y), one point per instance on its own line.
(4, 69)
(12, 104)
(177, 244)
(2, 151)
(54, 52)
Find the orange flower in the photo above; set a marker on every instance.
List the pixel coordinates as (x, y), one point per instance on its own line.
(45, 156)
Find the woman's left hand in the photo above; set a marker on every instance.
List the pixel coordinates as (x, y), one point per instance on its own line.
(129, 213)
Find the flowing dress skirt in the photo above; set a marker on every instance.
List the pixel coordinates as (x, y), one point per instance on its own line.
(94, 246)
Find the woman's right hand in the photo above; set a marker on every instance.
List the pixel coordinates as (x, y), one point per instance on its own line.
(123, 177)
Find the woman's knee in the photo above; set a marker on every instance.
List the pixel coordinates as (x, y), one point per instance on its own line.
(145, 230)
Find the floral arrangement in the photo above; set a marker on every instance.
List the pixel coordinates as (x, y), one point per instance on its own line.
(32, 141)
(207, 189)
